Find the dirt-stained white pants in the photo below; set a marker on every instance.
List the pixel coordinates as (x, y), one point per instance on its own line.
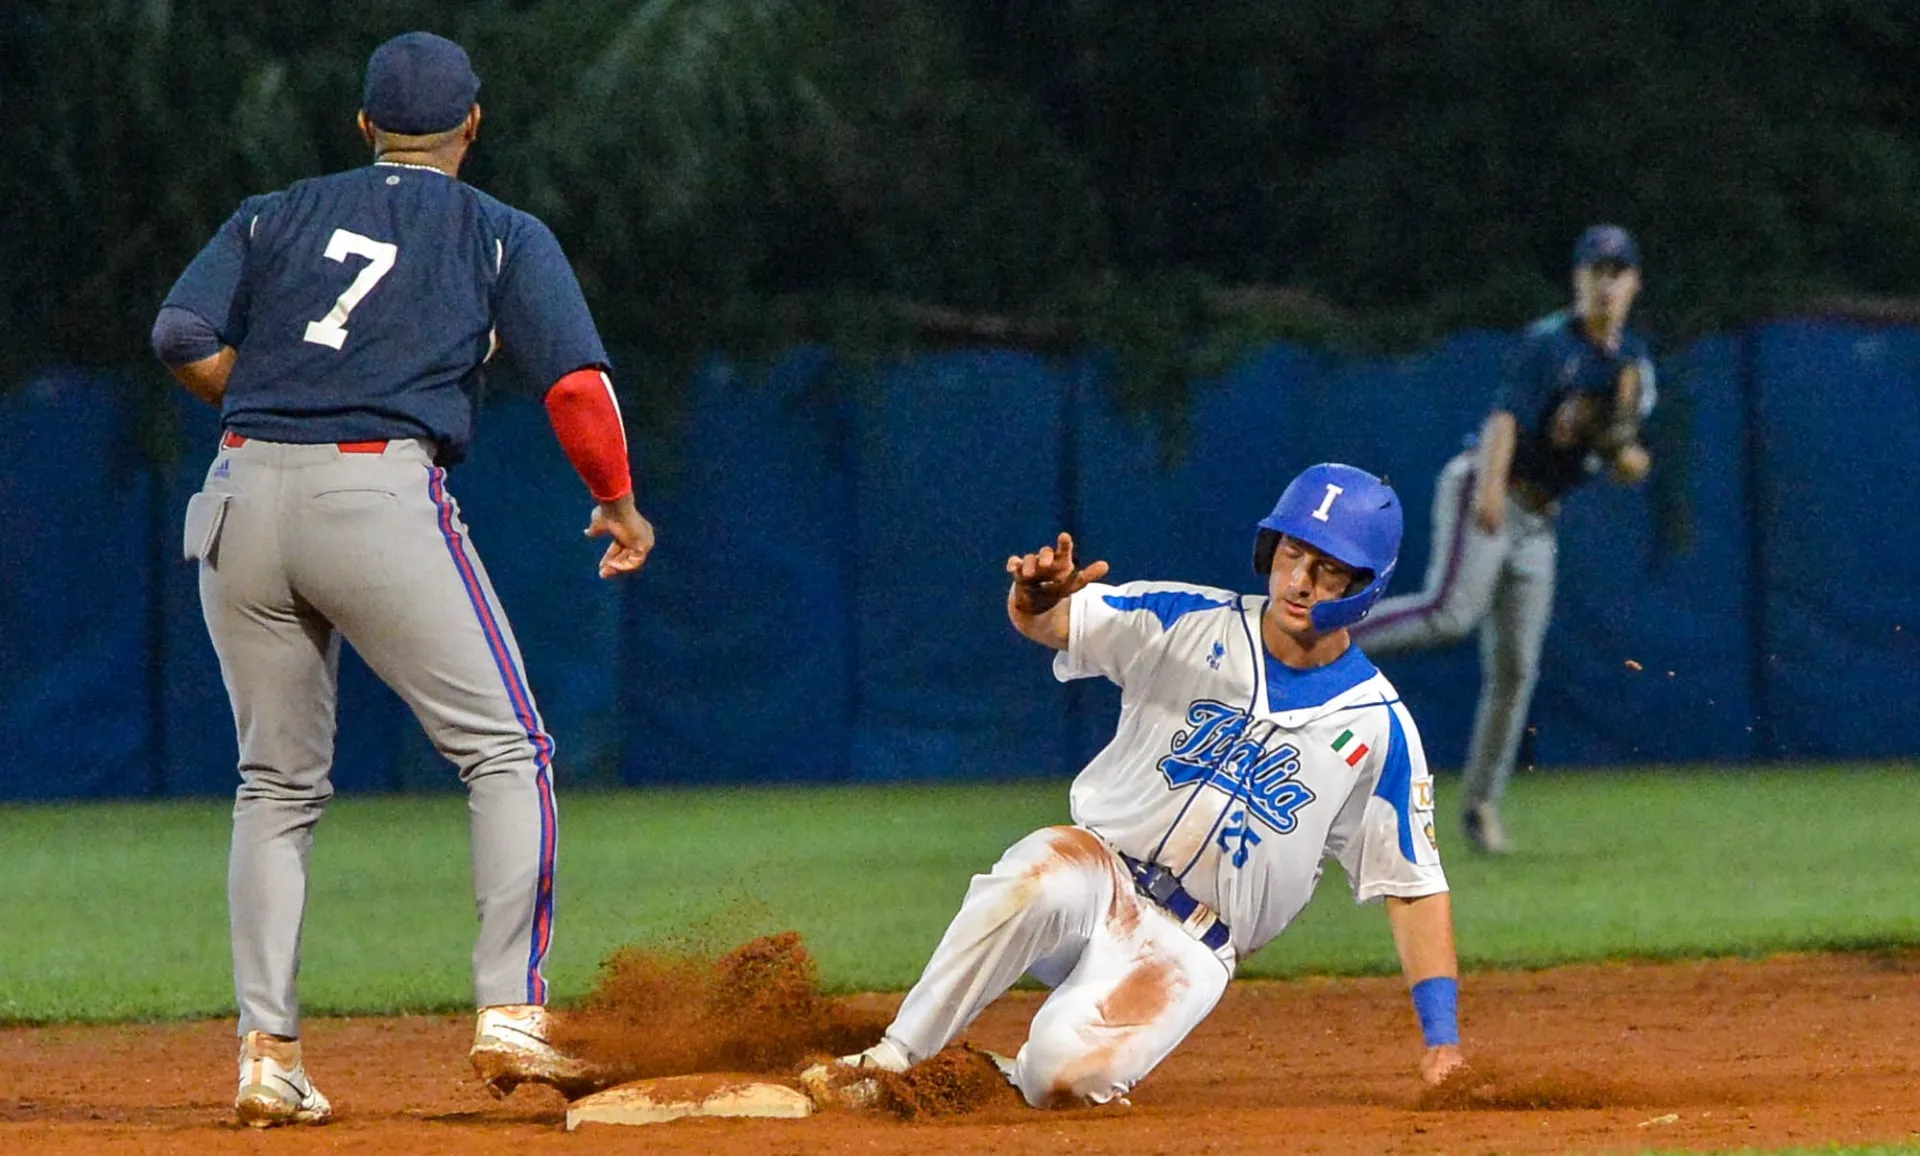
(1128, 981)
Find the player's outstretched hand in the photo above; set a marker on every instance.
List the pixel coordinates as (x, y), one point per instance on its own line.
(1439, 1062)
(1046, 576)
(632, 536)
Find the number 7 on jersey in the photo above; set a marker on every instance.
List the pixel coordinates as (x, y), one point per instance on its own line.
(331, 330)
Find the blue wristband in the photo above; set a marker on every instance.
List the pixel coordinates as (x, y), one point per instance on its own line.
(1437, 1001)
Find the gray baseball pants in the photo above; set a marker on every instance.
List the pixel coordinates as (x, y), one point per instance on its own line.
(301, 546)
(1501, 583)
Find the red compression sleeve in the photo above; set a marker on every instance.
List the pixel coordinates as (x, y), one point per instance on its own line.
(586, 419)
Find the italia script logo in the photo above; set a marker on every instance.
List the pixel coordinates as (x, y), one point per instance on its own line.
(1216, 749)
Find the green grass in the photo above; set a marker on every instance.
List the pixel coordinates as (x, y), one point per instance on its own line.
(117, 911)
(1660, 865)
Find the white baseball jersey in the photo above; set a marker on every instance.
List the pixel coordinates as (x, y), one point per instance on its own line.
(1242, 775)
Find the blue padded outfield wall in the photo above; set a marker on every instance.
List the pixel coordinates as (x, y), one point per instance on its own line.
(826, 601)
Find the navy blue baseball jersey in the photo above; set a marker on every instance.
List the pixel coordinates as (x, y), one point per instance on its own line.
(1555, 361)
(364, 305)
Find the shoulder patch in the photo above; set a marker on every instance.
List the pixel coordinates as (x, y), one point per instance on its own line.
(1169, 606)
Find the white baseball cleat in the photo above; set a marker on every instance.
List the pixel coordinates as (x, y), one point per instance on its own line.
(274, 1088)
(1003, 1063)
(510, 1048)
(838, 1084)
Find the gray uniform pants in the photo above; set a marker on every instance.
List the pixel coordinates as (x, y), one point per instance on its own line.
(301, 546)
(1501, 583)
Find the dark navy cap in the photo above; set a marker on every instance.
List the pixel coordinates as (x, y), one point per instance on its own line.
(1606, 243)
(419, 83)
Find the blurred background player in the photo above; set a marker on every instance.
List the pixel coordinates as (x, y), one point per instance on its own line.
(342, 325)
(1254, 742)
(1575, 394)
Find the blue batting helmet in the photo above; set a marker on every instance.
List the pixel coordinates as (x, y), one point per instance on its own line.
(1347, 514)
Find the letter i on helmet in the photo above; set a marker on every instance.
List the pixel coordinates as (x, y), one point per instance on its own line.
(1347, 514)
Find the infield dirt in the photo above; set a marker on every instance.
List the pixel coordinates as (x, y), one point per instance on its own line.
(1794, 1050)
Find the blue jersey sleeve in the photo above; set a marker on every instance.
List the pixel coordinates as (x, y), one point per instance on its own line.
(213, 286)
(1530, 380)
(542, 317)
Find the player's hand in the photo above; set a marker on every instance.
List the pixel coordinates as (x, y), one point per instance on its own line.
(1630, 464)
(1489, 511)
(1042, 579)
(632, 536)
(1437, 1063)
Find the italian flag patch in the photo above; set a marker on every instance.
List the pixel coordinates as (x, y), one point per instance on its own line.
(1359, 752)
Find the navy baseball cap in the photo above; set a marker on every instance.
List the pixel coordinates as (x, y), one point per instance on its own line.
(1606, 243)
(419, 83)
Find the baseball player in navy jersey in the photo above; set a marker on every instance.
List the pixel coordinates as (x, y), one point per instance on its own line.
(1254, 742)
(342, 325)
(1576, 393)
